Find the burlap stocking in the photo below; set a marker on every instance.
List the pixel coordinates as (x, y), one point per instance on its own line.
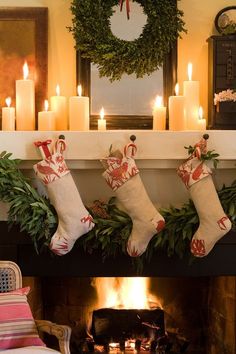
(214, 224)
(122, 176)
(74, 219)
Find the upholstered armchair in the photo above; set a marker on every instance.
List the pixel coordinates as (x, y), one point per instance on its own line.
(17, 324)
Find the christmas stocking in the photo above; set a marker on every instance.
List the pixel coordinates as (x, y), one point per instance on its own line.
(74, 219)
(214, 224)
(122, 176)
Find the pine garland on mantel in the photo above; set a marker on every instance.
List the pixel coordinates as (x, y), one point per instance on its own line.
(36, 216)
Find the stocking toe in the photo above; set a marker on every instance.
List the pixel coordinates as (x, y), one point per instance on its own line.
(61, 246)
(134, 250)
(197, 248)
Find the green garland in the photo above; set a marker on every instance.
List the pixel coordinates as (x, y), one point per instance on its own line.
(33, 213)
(37, 217)
(114, 56)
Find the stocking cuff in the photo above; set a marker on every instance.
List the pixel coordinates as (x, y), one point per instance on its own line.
(119, 171)
(192, 171)
(51, 169)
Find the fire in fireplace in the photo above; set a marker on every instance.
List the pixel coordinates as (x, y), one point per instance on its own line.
(129, 317)
(201, 309)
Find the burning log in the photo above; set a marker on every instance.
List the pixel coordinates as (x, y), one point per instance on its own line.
(113, 326)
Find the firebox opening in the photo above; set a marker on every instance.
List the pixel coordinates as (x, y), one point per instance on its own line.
(196, 315)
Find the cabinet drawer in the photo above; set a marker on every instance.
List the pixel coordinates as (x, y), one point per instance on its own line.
(221, 83)
(226, 46)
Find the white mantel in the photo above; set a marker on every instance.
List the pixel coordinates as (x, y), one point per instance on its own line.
(158, 155)
(155, 149)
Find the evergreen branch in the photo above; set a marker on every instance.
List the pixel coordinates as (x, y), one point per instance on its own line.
(141, 56)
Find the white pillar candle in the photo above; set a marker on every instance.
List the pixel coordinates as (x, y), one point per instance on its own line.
(201, 120)
(191, 94)
(8, 116)
(59, 106)
(25, 102)
(102, 122)
(177, 118)
(46, 119)
(159, 114)
(79, 111)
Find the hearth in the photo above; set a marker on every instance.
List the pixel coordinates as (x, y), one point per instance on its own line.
(181, 306)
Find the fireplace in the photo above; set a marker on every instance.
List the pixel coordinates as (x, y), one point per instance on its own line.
(199, 312)
(198, 300)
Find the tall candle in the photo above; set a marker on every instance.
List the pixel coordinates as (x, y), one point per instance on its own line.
(25, 102)
(79, 111)
(159, 114)
(59, 106)
(177, 118)
(8, 116)
(102, 122)
(201, 120)
(46, 119)
(191, 94)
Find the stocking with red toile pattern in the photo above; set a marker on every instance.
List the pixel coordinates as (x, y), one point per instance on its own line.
(73, 218)
(214, 224)
(122, 175)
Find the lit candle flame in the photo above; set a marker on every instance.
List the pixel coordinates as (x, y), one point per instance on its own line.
(125, 293)
(79, 90)
(58, 90)
(200, 113)
(8, 101)
(132, 345)
(158, 102)
(25, 71)
(46, 105)
(102, 113)
(177, 89)
(190, 71)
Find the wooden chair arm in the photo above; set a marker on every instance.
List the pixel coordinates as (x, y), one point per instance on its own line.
(61, 332)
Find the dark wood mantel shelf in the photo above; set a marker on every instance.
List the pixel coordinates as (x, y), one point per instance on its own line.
(18, 247)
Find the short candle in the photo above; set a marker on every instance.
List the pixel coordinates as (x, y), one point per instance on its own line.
(8, 116)
(59, 106)
(79, 111)
(46, 119)
(201, 120)
(159, 114)
(177, 118)
(102, 121)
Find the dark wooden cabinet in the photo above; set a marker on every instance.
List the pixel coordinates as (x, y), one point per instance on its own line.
(221, 76)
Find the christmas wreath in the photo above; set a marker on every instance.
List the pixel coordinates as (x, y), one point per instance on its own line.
(115, 57)
(36, 216)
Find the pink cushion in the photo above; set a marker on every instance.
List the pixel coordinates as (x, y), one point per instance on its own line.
(17, 326)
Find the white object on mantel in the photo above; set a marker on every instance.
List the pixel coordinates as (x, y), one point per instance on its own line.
(91, 146)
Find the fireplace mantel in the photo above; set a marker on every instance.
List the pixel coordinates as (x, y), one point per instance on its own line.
(158, 155)
(161, 149)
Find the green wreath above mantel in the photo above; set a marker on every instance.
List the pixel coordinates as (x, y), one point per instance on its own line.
(114, 56)
(35, 215)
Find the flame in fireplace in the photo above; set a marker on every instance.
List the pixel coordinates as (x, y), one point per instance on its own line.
(127, 293)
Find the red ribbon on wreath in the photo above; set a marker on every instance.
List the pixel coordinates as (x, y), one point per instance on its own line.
(127, 7)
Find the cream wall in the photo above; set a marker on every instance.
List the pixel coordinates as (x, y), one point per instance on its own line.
(199, 17)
